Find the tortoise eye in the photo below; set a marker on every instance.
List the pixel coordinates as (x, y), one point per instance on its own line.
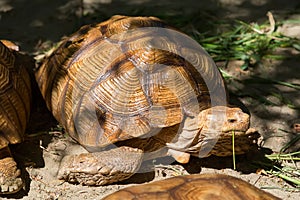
(231, 120)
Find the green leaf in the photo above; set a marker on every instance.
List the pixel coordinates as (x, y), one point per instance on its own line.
(296, 46)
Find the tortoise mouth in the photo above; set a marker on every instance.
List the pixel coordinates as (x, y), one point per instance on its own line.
(249, 132)
(232, 133)
(236, 132)
(240, 137)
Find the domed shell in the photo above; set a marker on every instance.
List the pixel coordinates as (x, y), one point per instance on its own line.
(15, 95)
(124, 77)
(197, 186)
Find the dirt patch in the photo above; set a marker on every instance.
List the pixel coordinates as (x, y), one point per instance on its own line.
(36, 24)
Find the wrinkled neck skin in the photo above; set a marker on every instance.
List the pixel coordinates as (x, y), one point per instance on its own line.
(198, 135)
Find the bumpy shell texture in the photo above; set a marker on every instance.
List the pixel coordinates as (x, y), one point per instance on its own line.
(197, 186)
(121, 78)
(15, 95)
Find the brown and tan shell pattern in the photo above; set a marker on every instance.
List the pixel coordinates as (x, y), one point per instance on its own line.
(121, 78)
(15, 100)
(15, 95)
(197, 187)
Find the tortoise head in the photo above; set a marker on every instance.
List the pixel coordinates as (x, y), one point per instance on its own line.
(211, 132)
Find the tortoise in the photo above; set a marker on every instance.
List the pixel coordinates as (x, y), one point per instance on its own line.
(196, 186)
(131, 89)
(15, 100)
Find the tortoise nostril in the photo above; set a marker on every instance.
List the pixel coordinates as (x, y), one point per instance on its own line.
(231, 120)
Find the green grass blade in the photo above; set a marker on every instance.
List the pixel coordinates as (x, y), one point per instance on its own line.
(233, 151)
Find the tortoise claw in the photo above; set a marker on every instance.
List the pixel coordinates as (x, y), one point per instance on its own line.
(11, 186)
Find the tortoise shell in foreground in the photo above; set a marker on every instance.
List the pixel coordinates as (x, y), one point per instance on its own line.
(15, 98)
(200, 187)
(131, 89)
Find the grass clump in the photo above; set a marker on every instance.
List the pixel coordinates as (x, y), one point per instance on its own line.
(247, 42)
(283, 165)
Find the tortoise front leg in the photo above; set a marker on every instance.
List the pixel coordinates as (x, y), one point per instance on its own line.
(10, 180)
(100, 168)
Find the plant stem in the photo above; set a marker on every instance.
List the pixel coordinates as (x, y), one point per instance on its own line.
(233, 151)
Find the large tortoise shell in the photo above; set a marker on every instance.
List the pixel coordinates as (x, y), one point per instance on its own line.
(121, 78)
(15, 95)
(196, 186)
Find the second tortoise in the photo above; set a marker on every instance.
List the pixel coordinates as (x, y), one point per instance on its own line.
(197, 187)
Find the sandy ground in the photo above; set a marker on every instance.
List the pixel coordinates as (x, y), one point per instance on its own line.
(35, 24)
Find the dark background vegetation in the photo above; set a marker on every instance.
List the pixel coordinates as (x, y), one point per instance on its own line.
(30, 22)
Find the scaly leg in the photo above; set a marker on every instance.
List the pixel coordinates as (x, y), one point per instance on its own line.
(100, 168)
(10, 180)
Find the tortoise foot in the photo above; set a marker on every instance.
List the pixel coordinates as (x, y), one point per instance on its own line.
(101, 168)
(10, 180)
